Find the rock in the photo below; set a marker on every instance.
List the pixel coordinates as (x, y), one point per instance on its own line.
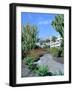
(26, 72)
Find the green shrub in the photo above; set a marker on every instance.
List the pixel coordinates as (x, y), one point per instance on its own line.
(42, 70)
(50, 74)
(29, 37)
(54, 51)
(29, 61)
(61, 52)
(36, 54)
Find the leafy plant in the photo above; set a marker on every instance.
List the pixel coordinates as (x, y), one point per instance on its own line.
(29, 38)
(54, 51)
(42, 70)
(61, 52)
(29, 61)
(58, 24)
(54, 38)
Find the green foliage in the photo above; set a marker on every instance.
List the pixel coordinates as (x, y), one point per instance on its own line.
(54, 38)
(34, 55)
(29, 61)
(42, 70)
(54, 51)
(45, 46)
(61, 52)
(58, 24)
(47, 40)
(29, 37)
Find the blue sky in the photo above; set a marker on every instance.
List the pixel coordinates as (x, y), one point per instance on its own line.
(42, 21)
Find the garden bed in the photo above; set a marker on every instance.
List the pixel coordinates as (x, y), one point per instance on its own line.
(36, 53)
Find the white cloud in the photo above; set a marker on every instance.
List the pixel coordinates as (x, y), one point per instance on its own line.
(46, 22)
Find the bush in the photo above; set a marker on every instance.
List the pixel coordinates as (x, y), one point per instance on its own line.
(29, 61)
(54, 51)
(36, 47)
(29, 38)
(42, 70)
(36, 54)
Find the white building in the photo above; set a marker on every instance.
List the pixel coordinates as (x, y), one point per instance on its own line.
(57, 43)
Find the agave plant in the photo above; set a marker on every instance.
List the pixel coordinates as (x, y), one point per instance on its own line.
(42, 70)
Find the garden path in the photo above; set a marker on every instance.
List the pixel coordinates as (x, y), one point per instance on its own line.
(53, 66)
(47, 59)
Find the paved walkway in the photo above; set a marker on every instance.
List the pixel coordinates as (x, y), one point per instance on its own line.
(53, 66)
(47, 59)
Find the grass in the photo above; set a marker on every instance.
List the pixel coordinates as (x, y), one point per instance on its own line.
(54, 51)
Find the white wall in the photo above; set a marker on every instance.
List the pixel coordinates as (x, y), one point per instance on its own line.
(4, 45)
